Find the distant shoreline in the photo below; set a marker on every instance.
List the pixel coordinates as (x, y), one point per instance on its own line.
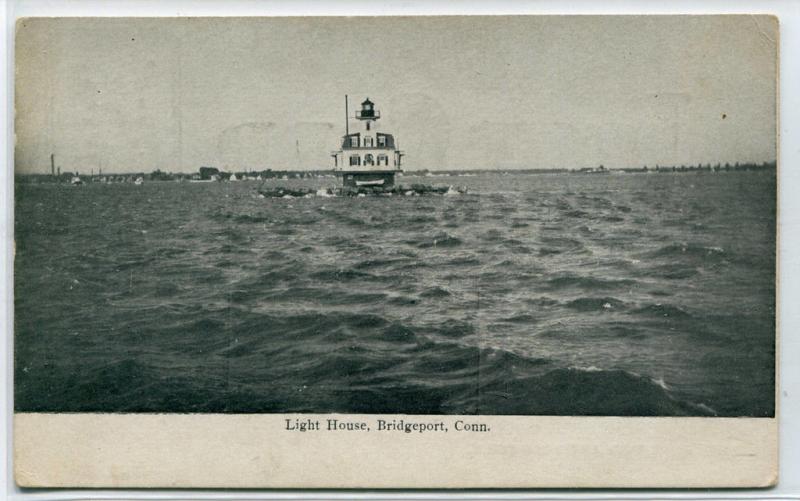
(254, 175)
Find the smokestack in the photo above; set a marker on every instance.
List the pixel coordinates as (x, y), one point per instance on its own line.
(52, 164)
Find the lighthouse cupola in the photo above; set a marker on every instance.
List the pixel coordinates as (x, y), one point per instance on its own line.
(368, 111)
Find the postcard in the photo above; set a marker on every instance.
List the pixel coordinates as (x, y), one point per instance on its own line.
(396, 252)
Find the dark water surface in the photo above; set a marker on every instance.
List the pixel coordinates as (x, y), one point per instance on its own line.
(650, 294)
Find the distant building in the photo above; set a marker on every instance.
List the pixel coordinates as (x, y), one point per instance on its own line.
(594, 170)
(206, 173)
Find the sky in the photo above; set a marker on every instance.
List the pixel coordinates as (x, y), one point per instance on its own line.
(139, 94)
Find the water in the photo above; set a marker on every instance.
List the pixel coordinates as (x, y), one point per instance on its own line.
(649, 294)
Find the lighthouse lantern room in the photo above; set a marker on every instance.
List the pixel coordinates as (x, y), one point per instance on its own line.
(368, 158)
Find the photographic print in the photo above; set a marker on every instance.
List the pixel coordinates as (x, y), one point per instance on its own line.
(399, 216)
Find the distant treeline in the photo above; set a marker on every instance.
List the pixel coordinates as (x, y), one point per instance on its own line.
(204, 174)
(461, 172)
(208, 173)
(719, 167)
(703, 167)
(213, 173)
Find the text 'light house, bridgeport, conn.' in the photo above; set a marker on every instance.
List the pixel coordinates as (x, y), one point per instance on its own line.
(368, 158)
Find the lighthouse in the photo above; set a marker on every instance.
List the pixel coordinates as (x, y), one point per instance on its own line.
(368, 157)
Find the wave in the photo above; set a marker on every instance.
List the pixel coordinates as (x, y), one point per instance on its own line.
(563, 243)
(688, 249)
(248, 218)
(577, 213)
(594, 304)
(670, 271)
(663, 310)
(588, 282)
(549, 251)
(434, 292)
(421, 220)
(364, 363)
(381, 262)
(324, 295)
(522, 318)
(346, 275)
(440, 240)
(464, 261)
(590, 391)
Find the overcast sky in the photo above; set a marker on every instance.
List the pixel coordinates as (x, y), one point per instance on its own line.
(126, 95)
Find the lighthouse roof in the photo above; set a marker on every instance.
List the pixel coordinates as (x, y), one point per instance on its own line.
(384, 141)
(367, 101)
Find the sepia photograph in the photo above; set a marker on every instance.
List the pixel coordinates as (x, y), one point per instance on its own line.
(426, 216)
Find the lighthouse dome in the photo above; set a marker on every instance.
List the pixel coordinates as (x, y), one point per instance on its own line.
(367, 111)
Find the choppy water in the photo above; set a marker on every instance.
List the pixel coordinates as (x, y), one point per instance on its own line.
(550, 294)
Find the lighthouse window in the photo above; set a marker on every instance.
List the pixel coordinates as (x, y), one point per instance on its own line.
(381, 141)
(354, 141)
(383, 160)
(368, 141)
(368, 160)
(355, 160)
